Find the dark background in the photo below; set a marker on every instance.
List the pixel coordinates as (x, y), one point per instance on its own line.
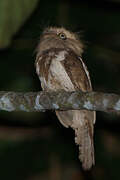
(35, 145)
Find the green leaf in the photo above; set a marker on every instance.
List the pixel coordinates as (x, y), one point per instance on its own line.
(13, 14)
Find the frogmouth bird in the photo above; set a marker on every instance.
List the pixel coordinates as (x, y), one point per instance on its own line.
(59, 66)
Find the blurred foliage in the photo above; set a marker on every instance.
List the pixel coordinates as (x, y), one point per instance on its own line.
(52, 154)
(12, 16)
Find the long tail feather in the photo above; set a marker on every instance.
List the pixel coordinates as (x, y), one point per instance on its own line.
(84, 138)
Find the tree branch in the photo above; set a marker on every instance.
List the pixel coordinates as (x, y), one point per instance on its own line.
(41, 101)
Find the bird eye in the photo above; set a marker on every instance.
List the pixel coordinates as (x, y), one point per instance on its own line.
(62, 36)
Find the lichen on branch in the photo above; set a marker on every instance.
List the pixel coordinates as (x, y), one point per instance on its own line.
(62, 100)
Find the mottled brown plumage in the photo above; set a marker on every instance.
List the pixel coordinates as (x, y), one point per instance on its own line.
(60, 67)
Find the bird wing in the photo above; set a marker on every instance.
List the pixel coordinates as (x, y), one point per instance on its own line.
(77, 71)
